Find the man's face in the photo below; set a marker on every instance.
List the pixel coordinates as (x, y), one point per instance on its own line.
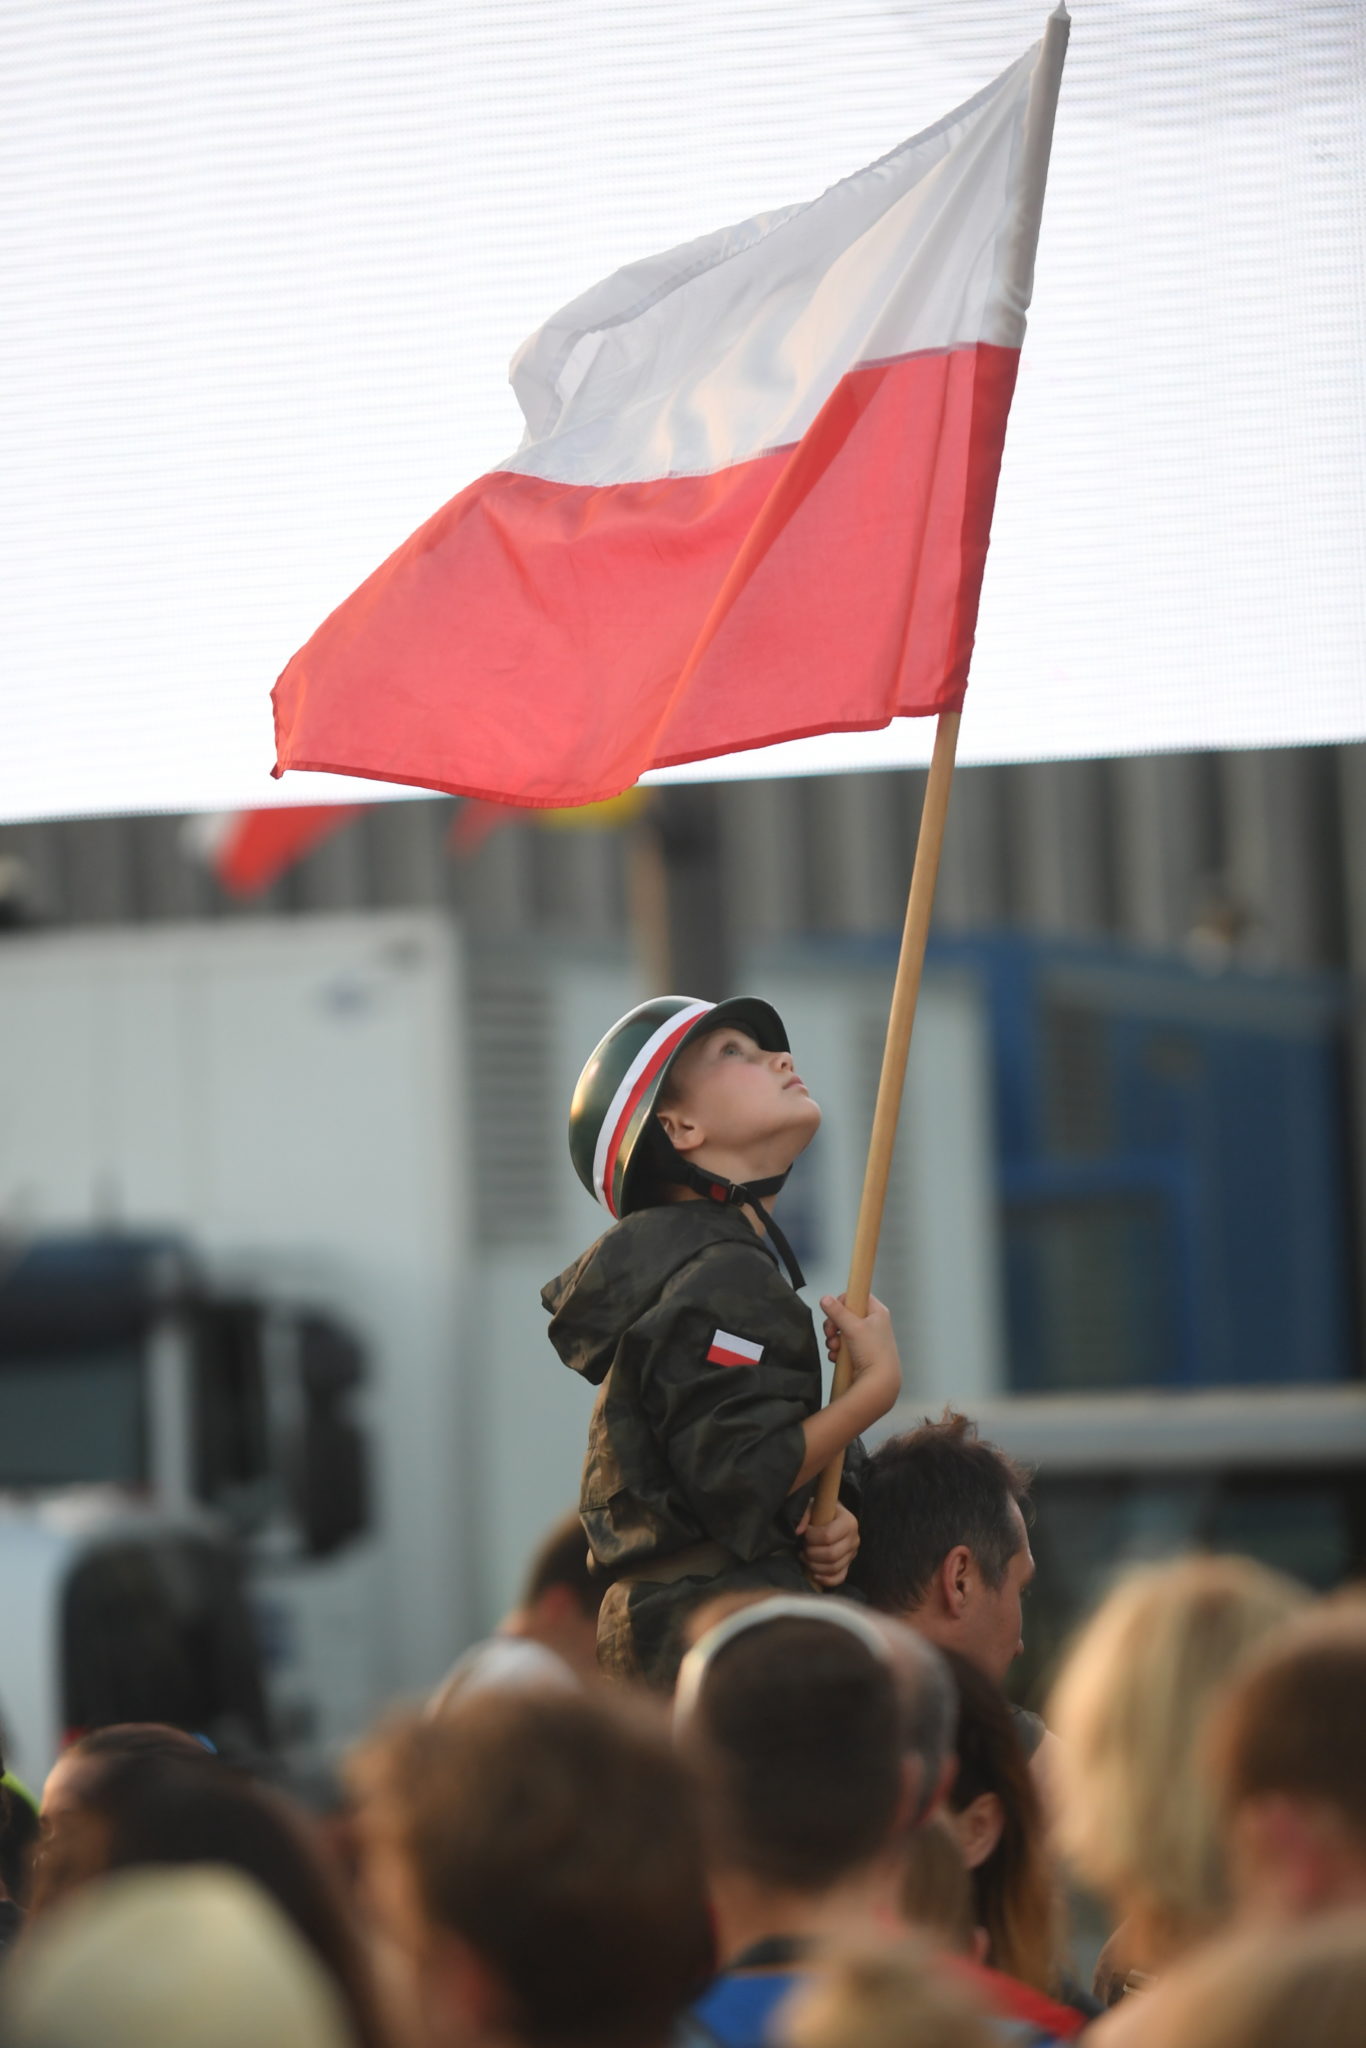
(992, 1617)
(729, 1099)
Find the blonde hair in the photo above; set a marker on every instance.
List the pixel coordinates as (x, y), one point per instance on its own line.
(198, 1956)
(1269, 1989)
(889, 1996)
(1136, 1810)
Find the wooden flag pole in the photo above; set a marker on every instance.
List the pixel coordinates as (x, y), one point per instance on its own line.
(1017, 279)
(933, 817)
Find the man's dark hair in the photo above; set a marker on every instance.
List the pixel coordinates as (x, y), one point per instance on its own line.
(562, 1560)
(926, 1492)
(137, 1738)
(797, 1739)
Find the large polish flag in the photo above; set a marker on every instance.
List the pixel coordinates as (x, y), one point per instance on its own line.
(752, 502)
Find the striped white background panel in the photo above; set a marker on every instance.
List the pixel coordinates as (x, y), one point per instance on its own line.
(265, 269)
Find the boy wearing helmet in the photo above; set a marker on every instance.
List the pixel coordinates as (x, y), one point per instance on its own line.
(708, 1430)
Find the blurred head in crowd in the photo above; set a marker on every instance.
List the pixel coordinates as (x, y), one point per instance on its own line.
(126, 1738)
(549, 1639)
(157, 1808)
(820, 1734)
(537, 1858)
(888, 1996)
(995, 1809)
(502, 1664)
(943, 1542)
(560, 1601)
(197, 1959)
(936, 1889)
(1300, 1987)
(1131, 1708)
(1290, 1754)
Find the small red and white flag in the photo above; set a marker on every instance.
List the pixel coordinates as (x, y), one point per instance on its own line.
(730, 1350)
(248, 850)
(752, 502)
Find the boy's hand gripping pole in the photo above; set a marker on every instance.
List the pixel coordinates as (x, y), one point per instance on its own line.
(886, 1115)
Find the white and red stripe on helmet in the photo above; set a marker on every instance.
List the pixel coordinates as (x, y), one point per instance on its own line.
(646, 1067)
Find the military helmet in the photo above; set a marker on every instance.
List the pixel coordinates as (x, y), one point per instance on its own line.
(615, 1099)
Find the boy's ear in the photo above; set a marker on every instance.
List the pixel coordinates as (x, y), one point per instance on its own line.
(682, 1132)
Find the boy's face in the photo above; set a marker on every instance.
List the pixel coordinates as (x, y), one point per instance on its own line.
(736, 1109)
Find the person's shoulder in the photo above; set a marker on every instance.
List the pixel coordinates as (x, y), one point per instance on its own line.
(662, 1271)
(635, 1258)
(1029, 1728)
(694, 1223)
(678, 1253)
(739, 1284)
(670, 1235)
(736, 2010)
(1041, 2019)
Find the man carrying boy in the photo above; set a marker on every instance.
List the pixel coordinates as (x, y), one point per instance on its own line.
(708, 1431)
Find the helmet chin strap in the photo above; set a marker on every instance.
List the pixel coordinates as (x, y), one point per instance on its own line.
(734, 1194)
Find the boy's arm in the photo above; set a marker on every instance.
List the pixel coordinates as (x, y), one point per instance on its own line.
(873, 1390)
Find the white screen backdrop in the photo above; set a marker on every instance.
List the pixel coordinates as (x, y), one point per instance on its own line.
(264, 264)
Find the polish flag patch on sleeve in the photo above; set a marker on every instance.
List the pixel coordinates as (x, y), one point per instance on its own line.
(728, 1350)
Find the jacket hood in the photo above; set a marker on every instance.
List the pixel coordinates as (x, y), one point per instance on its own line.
(596, 1299)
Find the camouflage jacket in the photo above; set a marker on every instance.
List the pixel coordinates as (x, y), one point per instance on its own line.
(693, 1437)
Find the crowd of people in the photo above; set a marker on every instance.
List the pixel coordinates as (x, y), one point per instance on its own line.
(837, 1832)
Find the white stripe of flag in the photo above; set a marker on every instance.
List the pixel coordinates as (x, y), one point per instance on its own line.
(730, 1350)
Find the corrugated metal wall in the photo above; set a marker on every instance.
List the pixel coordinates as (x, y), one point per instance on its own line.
(1264, 853)
(1258, 857)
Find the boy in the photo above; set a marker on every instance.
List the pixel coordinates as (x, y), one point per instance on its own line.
(708, 1431)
